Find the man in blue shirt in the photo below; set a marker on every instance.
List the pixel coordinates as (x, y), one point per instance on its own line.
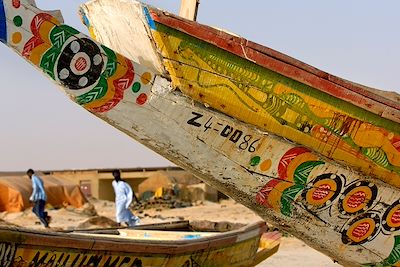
(38, 198)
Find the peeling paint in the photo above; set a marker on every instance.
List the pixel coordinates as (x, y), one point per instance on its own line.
(272, 147)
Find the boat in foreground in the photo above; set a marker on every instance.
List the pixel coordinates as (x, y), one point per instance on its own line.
(315, 155)
(137, 247)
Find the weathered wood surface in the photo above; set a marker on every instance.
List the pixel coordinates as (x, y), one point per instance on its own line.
(188, 9)
(23, 247)
(283, 106)
(296, 105)
(343, 213)
(385, 105)
(269, 245)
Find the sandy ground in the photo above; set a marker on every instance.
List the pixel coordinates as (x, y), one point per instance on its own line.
(292, 252)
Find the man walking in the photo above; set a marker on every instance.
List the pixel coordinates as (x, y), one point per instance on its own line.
(123, 199)
(38, 198)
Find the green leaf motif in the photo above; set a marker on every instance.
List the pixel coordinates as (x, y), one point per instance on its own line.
(289, 196)
(111, 66)
(303, 171)
(60, 34)
(376, 154)
(49, 60)
(96, 93)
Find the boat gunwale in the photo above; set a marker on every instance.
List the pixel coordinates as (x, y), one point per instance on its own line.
(359, 95)
(29, 237)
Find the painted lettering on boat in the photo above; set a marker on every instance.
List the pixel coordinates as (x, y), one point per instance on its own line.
(246, 142)
(281, 105)
(35, 255)
(7, 252)
(46, 258)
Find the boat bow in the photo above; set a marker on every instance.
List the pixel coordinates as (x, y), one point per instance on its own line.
(335, 209)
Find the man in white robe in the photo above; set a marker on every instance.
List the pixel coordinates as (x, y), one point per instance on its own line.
(123, 199)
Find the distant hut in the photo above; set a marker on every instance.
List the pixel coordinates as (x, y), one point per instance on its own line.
(16, 190)
(179, 183)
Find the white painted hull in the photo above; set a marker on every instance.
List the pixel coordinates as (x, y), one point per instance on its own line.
(221, 150)
(219, 162)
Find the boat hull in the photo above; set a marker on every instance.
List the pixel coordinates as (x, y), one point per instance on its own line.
(346, 122)
(303, 112)
(23, 247)
(327, 205)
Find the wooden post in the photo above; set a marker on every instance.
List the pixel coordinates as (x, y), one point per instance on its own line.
(189, 8)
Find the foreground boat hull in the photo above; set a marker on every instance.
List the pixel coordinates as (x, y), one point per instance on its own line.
(329, 206)
(23, 247)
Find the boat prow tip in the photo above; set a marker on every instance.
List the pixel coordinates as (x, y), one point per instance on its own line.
(91, 74)
(13, 14)
(55, 13)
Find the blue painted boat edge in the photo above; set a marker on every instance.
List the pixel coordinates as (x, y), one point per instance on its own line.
(149, 19)
(3, 23)
(83, 16)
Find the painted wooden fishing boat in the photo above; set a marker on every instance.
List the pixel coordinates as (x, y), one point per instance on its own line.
(314, 154)
(136, 247)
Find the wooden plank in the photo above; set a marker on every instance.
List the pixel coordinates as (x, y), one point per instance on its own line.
(321, 111)
(265, 253)
(286, 66)
(188, 9)
(260, 97)
(46, 247)
(115, 243)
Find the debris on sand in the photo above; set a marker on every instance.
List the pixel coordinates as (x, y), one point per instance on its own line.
(97, 222)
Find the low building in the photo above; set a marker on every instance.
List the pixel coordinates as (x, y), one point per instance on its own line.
(97, 183)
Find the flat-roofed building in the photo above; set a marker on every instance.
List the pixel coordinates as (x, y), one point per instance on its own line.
(97, 182)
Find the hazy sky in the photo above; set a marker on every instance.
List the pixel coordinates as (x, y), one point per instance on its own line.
(40, 128)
